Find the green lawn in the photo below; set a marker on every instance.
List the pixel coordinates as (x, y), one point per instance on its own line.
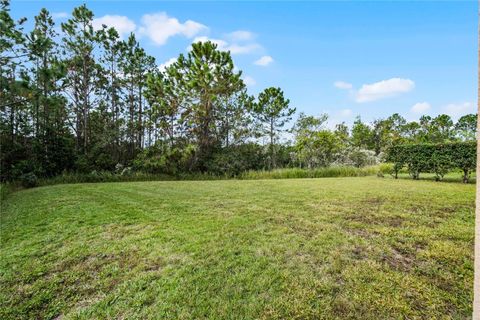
(345, 248)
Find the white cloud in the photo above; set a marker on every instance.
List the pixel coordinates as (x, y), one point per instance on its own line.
(159, 27)
(163, 66)
(264, 61)
(122, 24)
(249, 81)
(240, 35)
(346, 112)
(243, 49)
(342, 85)
(383, 89)
(60, 15)
(459, 109)
(420, 107)
(223, 45)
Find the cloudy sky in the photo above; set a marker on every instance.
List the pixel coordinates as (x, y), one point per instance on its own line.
(344, 58)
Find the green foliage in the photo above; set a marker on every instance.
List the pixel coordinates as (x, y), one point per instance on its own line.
(298, 173)
(386, 168)
(361, 135)
(29, 180)
(74, 98)
(163, 158)
(234, 160)
(434, 158)
(466, 127)
(272, 111)
(359, 157)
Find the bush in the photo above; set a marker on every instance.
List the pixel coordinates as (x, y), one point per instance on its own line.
(234, 160)
(434, 158)
(29, 180)
(362, 157)
(119, 168)
(164, 159)
(465, 158)
(386, 169)
(127, 171)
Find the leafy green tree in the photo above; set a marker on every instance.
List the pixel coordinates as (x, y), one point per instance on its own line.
(343, 133)
(306, 130)
(466, 127)
(273, 111)
(362, 135)
(412, 132)
(441, 129)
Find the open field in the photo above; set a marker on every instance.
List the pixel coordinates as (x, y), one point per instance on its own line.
(345, 248)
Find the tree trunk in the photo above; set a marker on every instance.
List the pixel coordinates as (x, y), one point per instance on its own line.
(140, 124)
(273, 163)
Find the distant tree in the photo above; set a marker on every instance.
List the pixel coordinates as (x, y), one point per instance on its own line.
(165, 100)
(205, 76)
(412, 131)
(79, 44)
(343, 133)
(15, 126)
(235, 123)
(362, 135)
(273, 111)
(466, 127)
(441, 129)
(397, 129)
(315, 146)
(112, 91)
(307, 124)
(52, 137)
(136, 65)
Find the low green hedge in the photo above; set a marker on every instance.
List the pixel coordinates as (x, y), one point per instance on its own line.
(434, 158)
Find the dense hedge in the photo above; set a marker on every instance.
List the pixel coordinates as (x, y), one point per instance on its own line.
(434, 158)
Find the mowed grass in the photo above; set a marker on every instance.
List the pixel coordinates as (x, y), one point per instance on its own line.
(332, 248)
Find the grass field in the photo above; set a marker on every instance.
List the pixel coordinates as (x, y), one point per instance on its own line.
(332, 248)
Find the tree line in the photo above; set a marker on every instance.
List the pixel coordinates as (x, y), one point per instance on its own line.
(82, 99)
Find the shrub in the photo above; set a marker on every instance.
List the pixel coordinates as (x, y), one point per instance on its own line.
(465, 157)
(441, 163)
(119, 168)
(164, 159)
(434, 158)
(127, 171)
(386, 169)
(362, 157)
(29, 180)
(234, 160)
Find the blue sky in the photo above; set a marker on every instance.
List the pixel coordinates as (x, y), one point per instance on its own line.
(344, 58)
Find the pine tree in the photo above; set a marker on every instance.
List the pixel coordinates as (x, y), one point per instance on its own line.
(79, 44)
(272, 111)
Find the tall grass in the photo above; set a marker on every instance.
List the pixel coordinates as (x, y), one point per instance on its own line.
(106, 176)
(298, 173)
